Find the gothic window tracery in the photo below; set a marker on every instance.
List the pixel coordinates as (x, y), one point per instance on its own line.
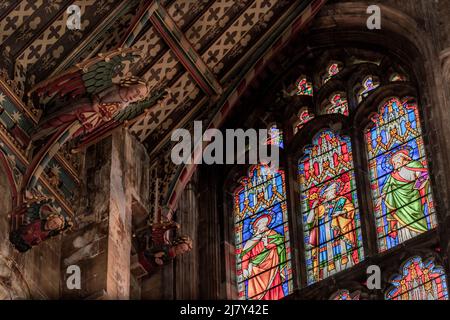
(418, 280)
(337, 104)
(369, 84)
(263, 255)
(304, 87)
(393, 175)
(333, 69)
(304, 116)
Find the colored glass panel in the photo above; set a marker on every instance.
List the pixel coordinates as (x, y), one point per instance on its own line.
(338, 104)
(345, 295)
(263, 254)
(304, 87)
(418, 281)
(367, 86)
(399, 179)
(398, 77)
(275, 137)
(329, 206)
(333, 69)
(304, 117)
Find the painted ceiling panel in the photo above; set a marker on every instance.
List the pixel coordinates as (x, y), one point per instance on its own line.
(221, 31)
(165, 69)
(184, 11)
(183, 89)
(16, 17)
(207, 21)
(34, 25)
(237, 32)
(67, 41)
(222, 23)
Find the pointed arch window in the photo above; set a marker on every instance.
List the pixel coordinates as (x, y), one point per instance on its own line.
(329, 206)
(338, 104)
(263, 254)
(304, 116)
(369, 84)
(418, 281)
(399, 179)
(333, 69)
(304, 87)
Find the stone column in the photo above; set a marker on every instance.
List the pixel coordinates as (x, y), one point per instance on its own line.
(102, 245)
(187, 279)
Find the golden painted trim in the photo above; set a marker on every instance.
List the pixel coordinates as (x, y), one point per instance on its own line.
(18, 102)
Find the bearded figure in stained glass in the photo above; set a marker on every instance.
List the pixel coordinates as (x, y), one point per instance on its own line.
(332, 237)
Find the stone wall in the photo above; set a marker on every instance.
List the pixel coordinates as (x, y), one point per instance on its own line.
(116, 177)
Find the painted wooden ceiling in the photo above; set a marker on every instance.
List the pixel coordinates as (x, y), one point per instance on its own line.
(221, 35)
(206, 52)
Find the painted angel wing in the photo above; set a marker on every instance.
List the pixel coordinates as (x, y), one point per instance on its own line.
(91, 76)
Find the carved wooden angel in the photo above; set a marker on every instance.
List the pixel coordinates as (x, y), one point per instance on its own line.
(86, 97)
(84, 103)
(158, 250)
(43, 221)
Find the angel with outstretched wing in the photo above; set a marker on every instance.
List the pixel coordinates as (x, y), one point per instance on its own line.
(81, 103)
(92, 100)
(84, 103)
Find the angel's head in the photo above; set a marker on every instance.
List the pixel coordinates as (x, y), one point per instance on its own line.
(136, 89)
(54, 222)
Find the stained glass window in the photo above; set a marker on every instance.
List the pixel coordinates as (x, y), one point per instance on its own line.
(418, 281)
(263, 254)
(304, 87)
(399, 179)
(345, 295)
(368, 85)
(332, 70)
(397, 77)
(303, 117)
(329, 206)
(275, 136)
(338, 104)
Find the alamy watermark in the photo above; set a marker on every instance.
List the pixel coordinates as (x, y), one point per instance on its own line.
(74, 17)
(73, 281)
(374, 20)
(237, 146)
